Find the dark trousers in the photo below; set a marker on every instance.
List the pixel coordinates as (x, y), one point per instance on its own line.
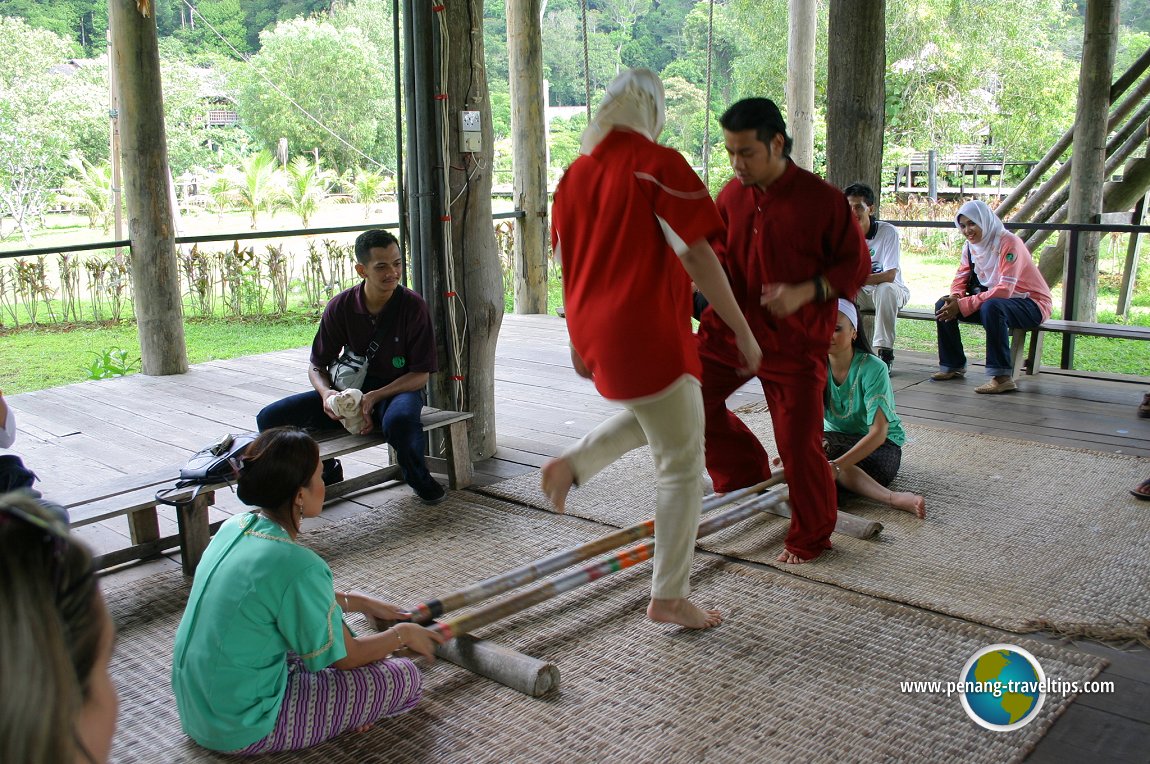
(998, 316)
(396, 417)
(881, 464)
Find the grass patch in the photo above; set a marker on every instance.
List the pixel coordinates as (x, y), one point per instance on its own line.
(47, 357)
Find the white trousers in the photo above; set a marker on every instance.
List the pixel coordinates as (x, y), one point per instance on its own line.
(886, 300)
(671, 421)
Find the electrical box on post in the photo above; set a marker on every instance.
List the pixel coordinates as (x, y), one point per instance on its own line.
(470, 132)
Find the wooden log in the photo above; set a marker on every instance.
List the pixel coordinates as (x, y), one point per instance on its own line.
(156, 283)
(195, 532)
(529, 153)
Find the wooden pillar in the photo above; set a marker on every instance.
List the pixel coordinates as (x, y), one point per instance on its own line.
(529, 153)
(144, 147)
(801, 81)
(856, 92)
(475, 256)
(1088, 171)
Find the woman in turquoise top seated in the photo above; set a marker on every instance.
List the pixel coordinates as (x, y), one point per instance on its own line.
(263, 661)
(862, 434)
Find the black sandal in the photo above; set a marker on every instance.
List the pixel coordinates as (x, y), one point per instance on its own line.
(1144, 409)
(1142, 491)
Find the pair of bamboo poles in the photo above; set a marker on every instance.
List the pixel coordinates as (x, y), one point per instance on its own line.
(426, 612)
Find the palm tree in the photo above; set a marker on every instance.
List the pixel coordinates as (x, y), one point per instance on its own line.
(90, 191)
(366, 188)
(258, 184)
(307, 185)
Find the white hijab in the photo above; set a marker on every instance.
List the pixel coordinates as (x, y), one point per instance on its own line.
(985, 256)
(634, 100)
(847, 308)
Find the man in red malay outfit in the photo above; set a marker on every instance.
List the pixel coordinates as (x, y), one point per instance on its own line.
(792, 247)
(631, 221)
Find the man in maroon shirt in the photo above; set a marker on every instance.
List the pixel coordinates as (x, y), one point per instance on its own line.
(791, 248)
(398, 371)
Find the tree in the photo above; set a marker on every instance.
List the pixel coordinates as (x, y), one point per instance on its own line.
(257, 186)
(44, 113)
(563, 57)
(319, 87)
(90, 191)
(366, 188)
(306, 185)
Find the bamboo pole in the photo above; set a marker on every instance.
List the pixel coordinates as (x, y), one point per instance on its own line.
(424, 612)
(626, 558)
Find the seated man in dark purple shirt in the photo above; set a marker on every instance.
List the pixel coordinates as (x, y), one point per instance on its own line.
(393, 392)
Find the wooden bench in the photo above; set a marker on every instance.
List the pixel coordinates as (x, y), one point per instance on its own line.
(1030, 361)
(135, 496)
(973, 160)
(1033, 359)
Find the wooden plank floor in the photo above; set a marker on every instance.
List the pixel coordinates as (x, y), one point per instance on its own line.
(79, 436)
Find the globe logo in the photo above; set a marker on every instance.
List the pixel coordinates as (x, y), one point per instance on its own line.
(1002, 687)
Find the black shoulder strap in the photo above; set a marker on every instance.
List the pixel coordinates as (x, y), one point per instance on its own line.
(386, 320)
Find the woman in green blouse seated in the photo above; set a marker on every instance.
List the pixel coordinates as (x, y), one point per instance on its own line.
(862, 434)
(263, 661)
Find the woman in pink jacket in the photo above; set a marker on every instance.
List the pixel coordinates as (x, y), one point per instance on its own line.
(997, 285)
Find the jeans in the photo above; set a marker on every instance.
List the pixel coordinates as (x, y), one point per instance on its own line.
(998, 316)
(396, 417)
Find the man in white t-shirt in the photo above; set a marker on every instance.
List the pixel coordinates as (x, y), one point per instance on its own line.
(884, 292)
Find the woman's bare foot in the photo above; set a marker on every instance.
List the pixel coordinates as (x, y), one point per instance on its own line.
(556, 481)
(684, 613)
(908, 502)
(364, 728)
(790, 558)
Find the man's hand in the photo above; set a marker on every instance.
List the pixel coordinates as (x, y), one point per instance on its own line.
(327, 404)
(366, 406)
(781, 300)
(949, 310)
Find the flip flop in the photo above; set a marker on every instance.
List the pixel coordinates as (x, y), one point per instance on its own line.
(1142, 491)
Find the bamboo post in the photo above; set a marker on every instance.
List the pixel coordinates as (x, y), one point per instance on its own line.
(424, 612)
(1130, 267)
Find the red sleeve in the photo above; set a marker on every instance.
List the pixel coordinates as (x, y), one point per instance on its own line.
(849, 264)
(678, 196)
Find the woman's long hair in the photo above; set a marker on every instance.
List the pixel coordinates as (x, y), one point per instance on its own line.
(860, 343)
(276, 465)
(51, 624)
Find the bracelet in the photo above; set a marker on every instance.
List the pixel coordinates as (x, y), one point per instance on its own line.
(346, 604)
(402, 644)
(838, 469)
(820, 289)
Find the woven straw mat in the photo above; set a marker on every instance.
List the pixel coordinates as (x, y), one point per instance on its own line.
(1017, 535)
(799, 672)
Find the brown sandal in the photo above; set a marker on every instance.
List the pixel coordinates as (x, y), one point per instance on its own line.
(1142, 491)
(1144, 409)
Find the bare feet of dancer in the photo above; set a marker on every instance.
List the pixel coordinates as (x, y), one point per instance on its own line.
(556, 481)
(908, 502)
(790, 558)
(684, 613)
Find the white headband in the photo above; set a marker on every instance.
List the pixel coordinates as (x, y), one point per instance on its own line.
(847, 308)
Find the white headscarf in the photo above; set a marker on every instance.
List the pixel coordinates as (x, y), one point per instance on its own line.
(634, 100)
(985, 256)
(847, 308)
